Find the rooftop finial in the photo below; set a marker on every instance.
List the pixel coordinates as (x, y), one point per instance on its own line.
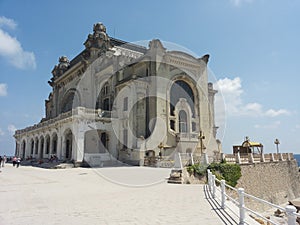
(99, 27)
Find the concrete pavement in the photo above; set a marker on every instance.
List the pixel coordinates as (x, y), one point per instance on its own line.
(119, 195)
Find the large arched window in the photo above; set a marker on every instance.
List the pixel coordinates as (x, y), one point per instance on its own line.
(104, 101)
(70, 101)
(181, 89)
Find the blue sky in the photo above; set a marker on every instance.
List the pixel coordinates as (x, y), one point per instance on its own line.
(253, 44)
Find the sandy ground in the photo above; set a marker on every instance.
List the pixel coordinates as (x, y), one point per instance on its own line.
(119, 195)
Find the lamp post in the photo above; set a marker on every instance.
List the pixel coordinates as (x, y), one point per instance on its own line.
(276, 142)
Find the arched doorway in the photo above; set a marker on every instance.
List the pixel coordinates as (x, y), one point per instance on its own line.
(42, 148)
(54, 144)
(32, 147)
(68, 144)
(36, 152)
(47, 145)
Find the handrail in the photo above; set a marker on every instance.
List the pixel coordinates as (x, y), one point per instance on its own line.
(264, 201)
(290, 210)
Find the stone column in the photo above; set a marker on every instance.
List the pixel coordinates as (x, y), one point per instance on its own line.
(39, 149)
(17, 150)
(50, 147)
(59, 147)
(44, 148)
(78, 142)
(28, 148)
(63, 147)
(34, 148)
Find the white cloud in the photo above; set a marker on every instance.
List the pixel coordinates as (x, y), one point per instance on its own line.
(11, 128)
(11, 49)
(273, 125)
(274, 113)
(6, 22)
(230, 92)
(1, 132)
(3, 89)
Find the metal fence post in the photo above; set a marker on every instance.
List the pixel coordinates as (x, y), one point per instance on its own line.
(223, 194)
(290, 212)
(213, 186)
(241, 192)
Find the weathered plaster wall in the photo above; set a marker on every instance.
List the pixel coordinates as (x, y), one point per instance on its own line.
(276, 182)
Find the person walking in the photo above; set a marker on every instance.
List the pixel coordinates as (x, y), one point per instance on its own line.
(14, 160)
(3, 160)
(18, 162)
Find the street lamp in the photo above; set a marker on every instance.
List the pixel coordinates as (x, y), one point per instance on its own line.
(276, 142)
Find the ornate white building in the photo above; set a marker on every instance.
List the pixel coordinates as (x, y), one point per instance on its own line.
(120, 101)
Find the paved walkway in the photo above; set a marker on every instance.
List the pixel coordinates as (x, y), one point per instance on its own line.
(123, 195)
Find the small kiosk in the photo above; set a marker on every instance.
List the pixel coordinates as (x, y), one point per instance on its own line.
(248, 147)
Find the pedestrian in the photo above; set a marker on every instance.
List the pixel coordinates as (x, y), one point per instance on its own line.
(4, 160)
(18, 162)
(14, 160)
(1, 160)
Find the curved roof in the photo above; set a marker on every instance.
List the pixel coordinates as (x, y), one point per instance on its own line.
(251, 144)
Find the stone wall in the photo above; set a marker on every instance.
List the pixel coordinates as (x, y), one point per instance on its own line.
(276, 182)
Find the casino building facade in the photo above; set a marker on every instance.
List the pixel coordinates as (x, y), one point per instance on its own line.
(118, 101)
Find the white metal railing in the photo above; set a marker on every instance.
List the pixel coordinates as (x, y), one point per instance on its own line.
(289, 210)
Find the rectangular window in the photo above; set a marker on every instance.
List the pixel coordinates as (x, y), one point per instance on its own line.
(172, 125)
(125, 138)
(125, 104)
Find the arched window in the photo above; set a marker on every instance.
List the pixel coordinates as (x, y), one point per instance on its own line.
(70, 101)
(183, 128)
(104, 101)
(181, 89)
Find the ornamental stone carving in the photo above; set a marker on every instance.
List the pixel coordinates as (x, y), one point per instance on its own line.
(98, 40)
(62, 66)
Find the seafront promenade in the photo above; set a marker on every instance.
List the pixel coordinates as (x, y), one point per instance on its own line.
(117, 195)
